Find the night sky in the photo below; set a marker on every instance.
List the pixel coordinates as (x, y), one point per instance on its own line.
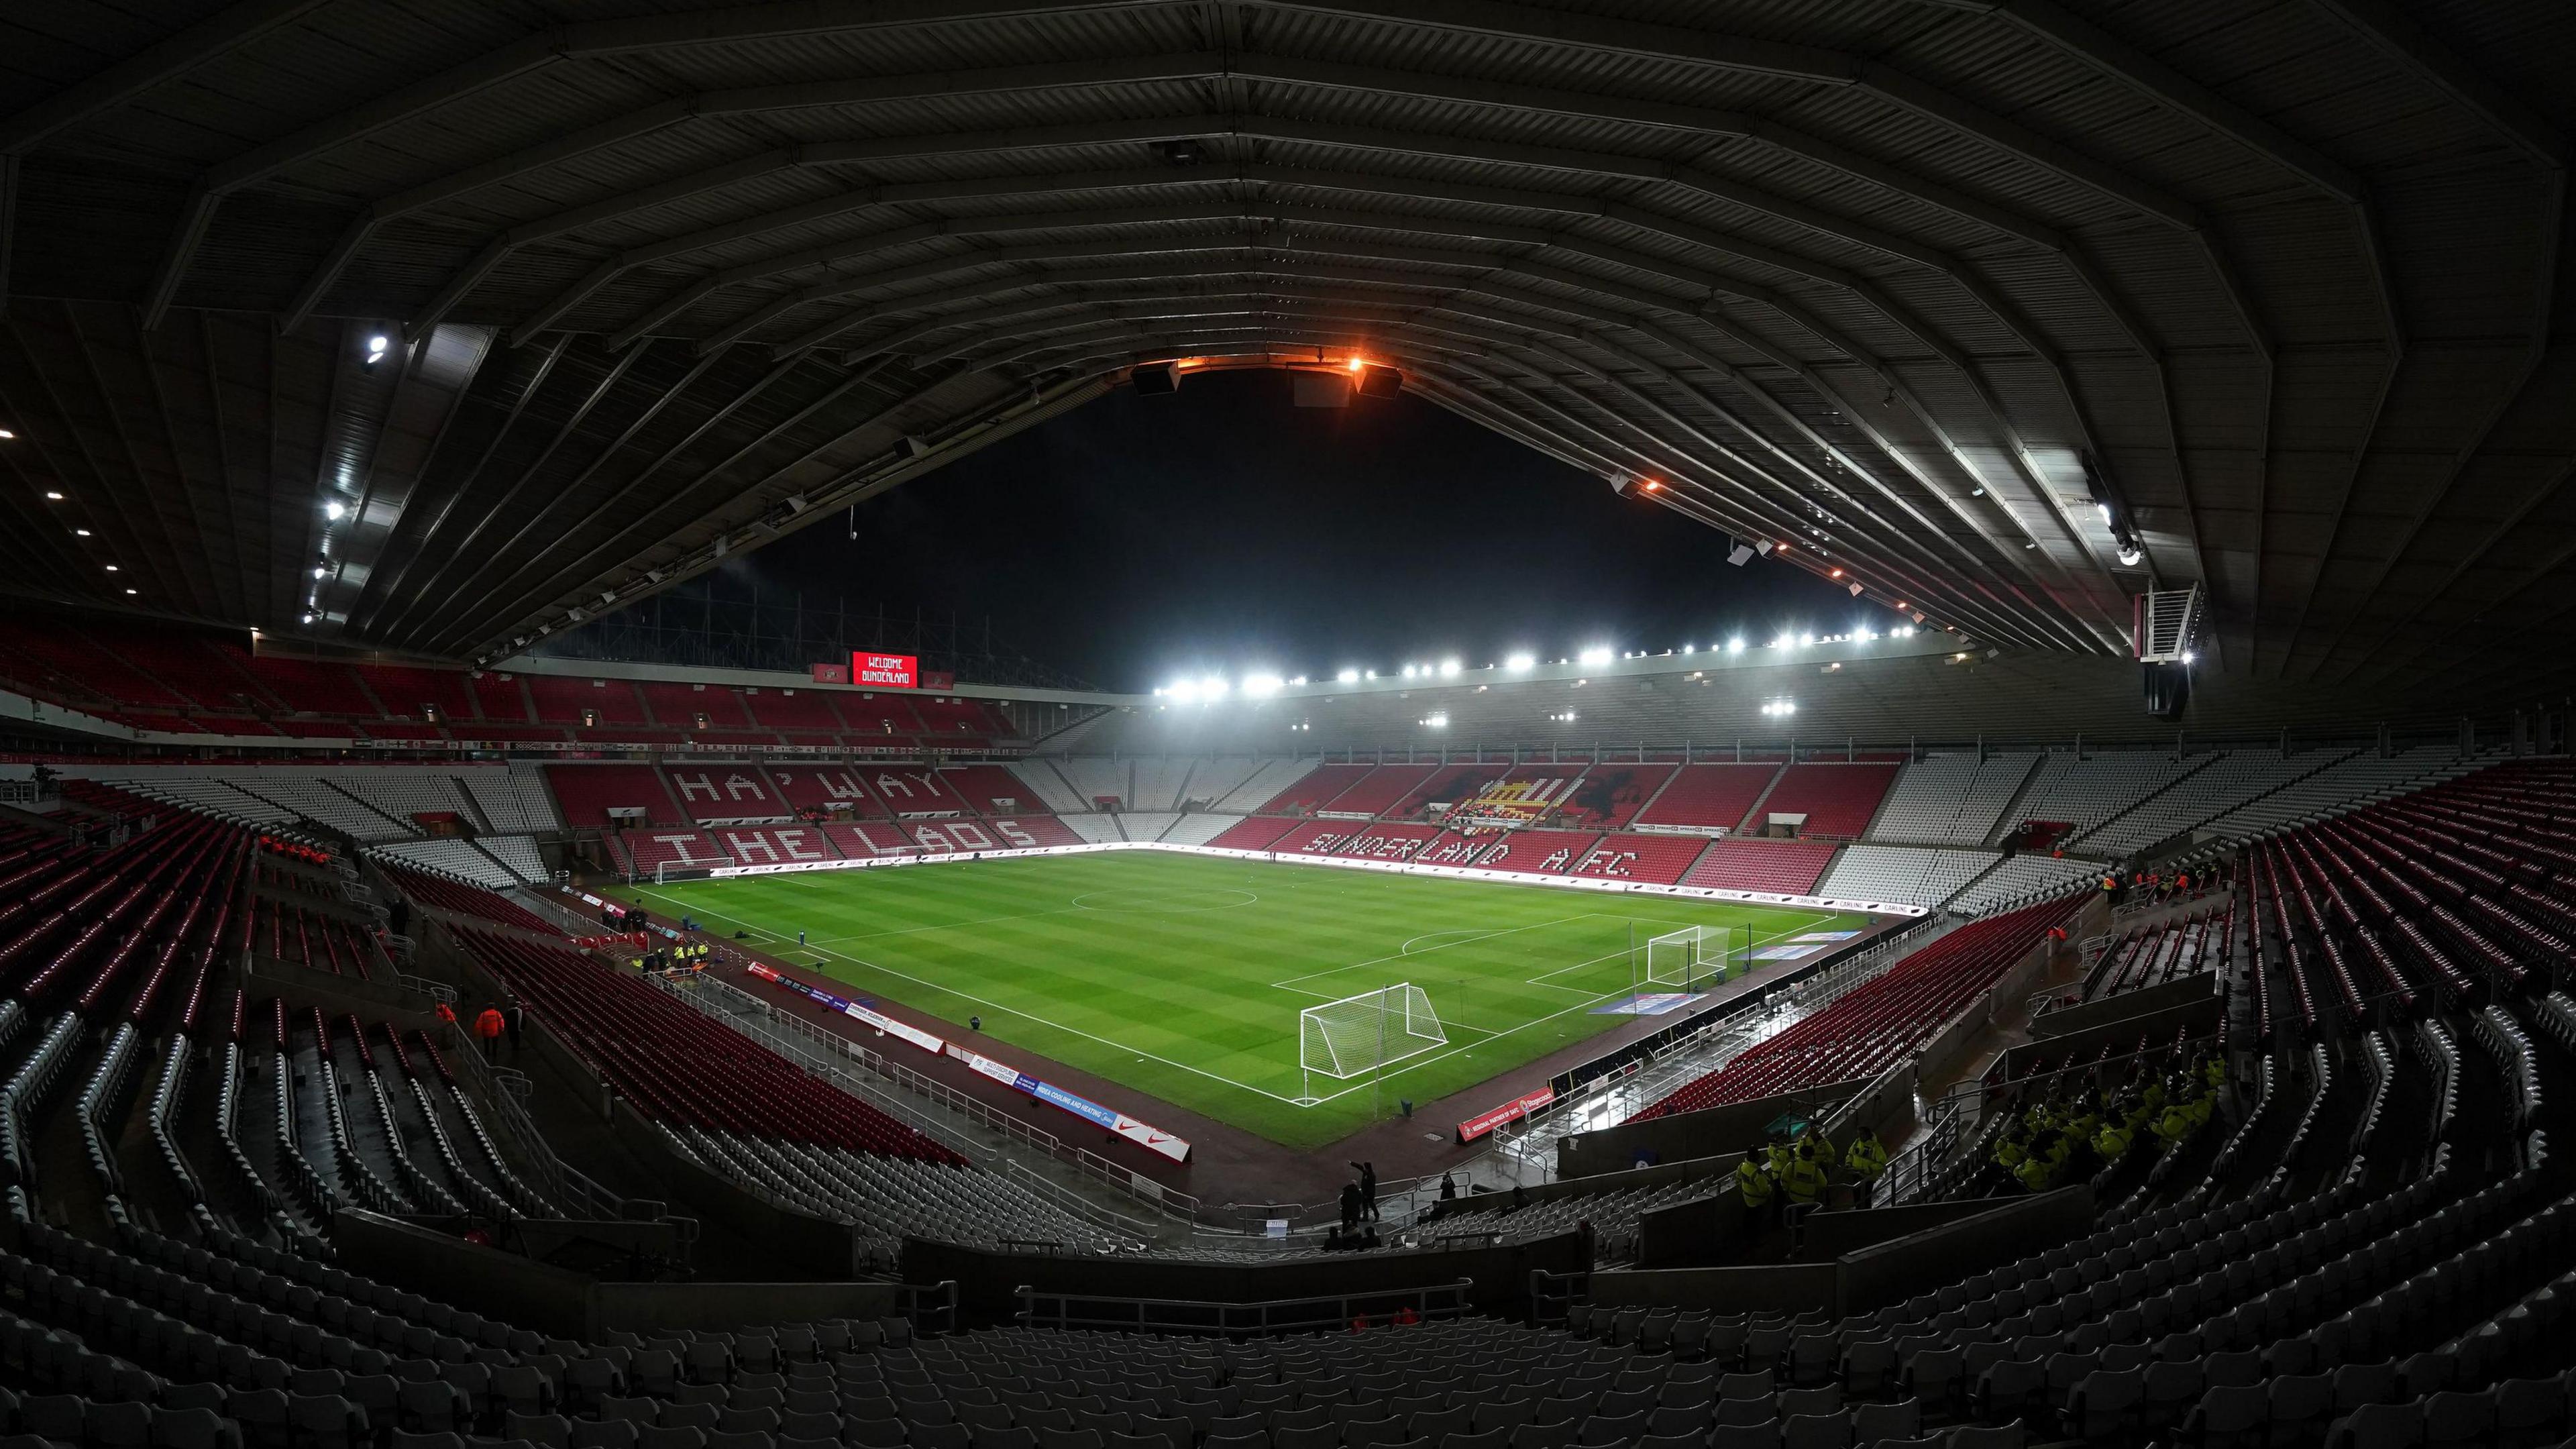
(1140, 539)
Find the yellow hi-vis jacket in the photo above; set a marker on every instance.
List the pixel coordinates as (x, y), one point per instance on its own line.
(1753, 1182)
(1866, 1159)
(1806, 1181)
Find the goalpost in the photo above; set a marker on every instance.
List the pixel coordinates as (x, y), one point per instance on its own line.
(1690, 959)
(1359, 1034)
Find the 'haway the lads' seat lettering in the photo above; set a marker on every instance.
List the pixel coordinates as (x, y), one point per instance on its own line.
(915, 793)
(956, 835)
(776, 845)
(729, 797)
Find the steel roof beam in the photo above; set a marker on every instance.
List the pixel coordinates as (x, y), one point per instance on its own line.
(1882, 545)
(460, 630)
(1519, 297)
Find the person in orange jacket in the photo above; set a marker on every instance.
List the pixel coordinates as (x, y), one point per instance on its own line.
(489, 1027)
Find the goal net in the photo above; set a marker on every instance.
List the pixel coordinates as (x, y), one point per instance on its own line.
(1346, 1038)
(1690, 958)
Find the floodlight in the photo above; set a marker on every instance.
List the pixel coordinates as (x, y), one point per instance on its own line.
(1735, 646)
(1520, 662)
(1348, 676)
(1593, 656)
(1449, 667)
(332, 510)
(1261, 686)
(53, 497)
(1183, 690)
(378, 343)
(1805, 639)
(1212, 687)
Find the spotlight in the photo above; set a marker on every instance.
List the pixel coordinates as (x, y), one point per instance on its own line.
(1593, 656)
(1519, 662)
(53, 497)
(333, 510)
(1348, 676)
(1449, 667)
(1735, 646)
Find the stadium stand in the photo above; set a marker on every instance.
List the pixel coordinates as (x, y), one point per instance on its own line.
(911, 790)
(1048, 787)
(454, 857)
(1882, 1020)
(1743, 863)
(1147, 824)
(1202, 828)
(1654, 859)
(1094, 780)
(1609, 796)
(825, 789)
(2350, 782)
(1709, 798)
(724, 794)
(1402, 789)
(1386, 841)
(1837, 801)
(588, 792)
(2224, 784)
(513, 801)
(773, 844)
(1214, 778)
(695, 707)
(1951, 799)
(641, 852)
(992, 790)
(2168, 950)
(1094, 828)
(2019, 878)
(1903, 873)
(1253, 832)
(2083, 791)
(1273, 781)
(1158, 783)
(1312, 787)
(1538, 852)
(801, 716)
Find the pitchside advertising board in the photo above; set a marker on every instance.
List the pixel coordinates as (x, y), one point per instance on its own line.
(884, 671)
(1152, 1139)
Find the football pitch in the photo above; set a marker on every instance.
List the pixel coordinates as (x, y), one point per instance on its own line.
(1182, 976)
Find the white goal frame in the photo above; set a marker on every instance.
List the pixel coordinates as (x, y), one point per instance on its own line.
(1367, 1032)
(1689, 958)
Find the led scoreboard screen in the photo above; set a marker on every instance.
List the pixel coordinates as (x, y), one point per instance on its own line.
(885, 671)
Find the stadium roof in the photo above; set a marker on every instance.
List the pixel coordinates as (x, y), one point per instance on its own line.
(1926, 288)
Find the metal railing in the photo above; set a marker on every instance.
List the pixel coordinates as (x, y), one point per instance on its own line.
(924, 1302)
(505, 1092)
(1280, 1315)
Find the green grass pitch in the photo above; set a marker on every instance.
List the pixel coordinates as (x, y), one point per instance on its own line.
(1182, 975)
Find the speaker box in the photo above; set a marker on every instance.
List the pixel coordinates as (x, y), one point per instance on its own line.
(1380, 382)
(1156, 378)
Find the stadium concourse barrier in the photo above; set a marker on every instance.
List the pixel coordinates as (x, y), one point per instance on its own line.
(990, 1283)
(568, 1304)
(1689, 1137)
(1866, 1261)
(1396, 867)
(2185, 1021)
(2127, 1006)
